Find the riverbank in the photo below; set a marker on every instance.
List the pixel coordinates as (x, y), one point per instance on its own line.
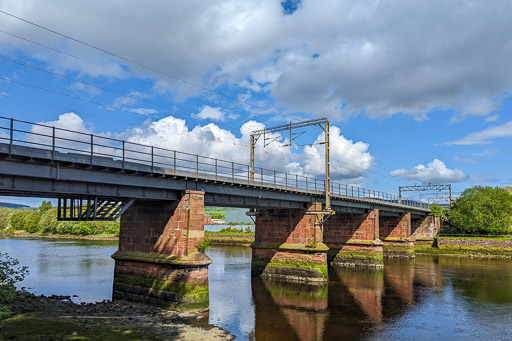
(23, 234)
(57, 318)
(230, 238)
(468, 246)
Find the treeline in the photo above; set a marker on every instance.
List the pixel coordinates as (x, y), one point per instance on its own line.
(44, 221)
(478, 211)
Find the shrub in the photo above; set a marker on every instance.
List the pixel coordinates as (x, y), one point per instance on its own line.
(10, 273)
(203, 246)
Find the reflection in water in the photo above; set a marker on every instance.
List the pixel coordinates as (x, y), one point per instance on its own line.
(431, 298)
(231, 305)
(303, 306)
(366, 287)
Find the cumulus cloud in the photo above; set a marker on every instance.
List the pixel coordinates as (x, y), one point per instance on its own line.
(349, 160)
(71, 135)
(485, 136)
(335, 58)
(435, 172)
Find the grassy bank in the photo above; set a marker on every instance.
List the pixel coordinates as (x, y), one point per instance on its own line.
(230, 238)
(471, 246)
(24, 234)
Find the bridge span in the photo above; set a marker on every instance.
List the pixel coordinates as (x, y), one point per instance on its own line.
(159, 194)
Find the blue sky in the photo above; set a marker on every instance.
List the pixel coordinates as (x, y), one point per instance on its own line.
(416, 91)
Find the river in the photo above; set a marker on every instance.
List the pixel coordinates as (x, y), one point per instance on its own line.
(430, 298)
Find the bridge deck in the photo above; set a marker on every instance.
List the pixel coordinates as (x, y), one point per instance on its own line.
(29, 171)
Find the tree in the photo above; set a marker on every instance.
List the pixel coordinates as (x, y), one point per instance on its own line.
(17, 220)
(45, 206)
(4, 217)
(31, 222)
(438, 211)
(482, 210)
(48, 222)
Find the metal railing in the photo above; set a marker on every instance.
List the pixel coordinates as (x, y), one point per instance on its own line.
(97, 149)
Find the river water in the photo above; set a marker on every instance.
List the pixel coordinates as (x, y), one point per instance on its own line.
(430, 298)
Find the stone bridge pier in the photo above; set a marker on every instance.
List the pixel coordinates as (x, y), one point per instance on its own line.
(289, 245)
(395, 233)
(353, 239)
(424, 229)
(157, 261)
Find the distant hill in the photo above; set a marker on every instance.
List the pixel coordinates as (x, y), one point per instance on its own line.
(11, 205)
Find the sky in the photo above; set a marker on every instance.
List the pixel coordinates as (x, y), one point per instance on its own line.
(416, 92)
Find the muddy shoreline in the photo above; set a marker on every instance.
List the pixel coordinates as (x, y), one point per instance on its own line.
(58, 318)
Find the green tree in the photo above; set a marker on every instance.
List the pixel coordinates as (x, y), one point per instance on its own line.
(4, 217)
(31, 222)
(482, 210)
(17, 220)
(48, 222)
(45, 206)
(439, 211)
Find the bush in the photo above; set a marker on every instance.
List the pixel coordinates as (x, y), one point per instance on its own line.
(10, 273)
(482, 210)
(204, 245)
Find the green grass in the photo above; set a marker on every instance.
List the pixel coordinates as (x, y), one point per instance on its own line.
(35, 326)
(477, 238)
(230, 233)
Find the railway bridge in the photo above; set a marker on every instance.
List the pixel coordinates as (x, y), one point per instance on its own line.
(159, 196)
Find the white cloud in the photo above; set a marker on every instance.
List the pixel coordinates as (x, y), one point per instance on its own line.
(349, 160)
(335, 58)
(132, 98)
(144, 111)
(435, 172)
(485, 136)
(214, 114)
(492, 118)
(464, 160)
(489, 152)
(71, 135)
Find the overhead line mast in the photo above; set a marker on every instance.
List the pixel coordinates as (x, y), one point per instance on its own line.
(323, 123)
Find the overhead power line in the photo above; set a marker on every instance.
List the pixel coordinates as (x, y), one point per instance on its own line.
(131, 61)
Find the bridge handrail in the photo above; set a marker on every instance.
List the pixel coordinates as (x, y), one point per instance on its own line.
(169, 161)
